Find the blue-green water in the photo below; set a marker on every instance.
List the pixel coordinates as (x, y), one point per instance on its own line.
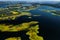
(50, 24)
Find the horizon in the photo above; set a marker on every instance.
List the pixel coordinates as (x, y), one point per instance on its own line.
(32, 0)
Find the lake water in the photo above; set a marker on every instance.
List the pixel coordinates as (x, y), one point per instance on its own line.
(49, 24)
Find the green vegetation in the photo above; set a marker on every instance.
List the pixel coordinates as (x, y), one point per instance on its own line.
(14, 11)
(13, 38)
(53, 12)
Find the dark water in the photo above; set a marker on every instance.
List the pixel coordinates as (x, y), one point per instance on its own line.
(49, 25)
